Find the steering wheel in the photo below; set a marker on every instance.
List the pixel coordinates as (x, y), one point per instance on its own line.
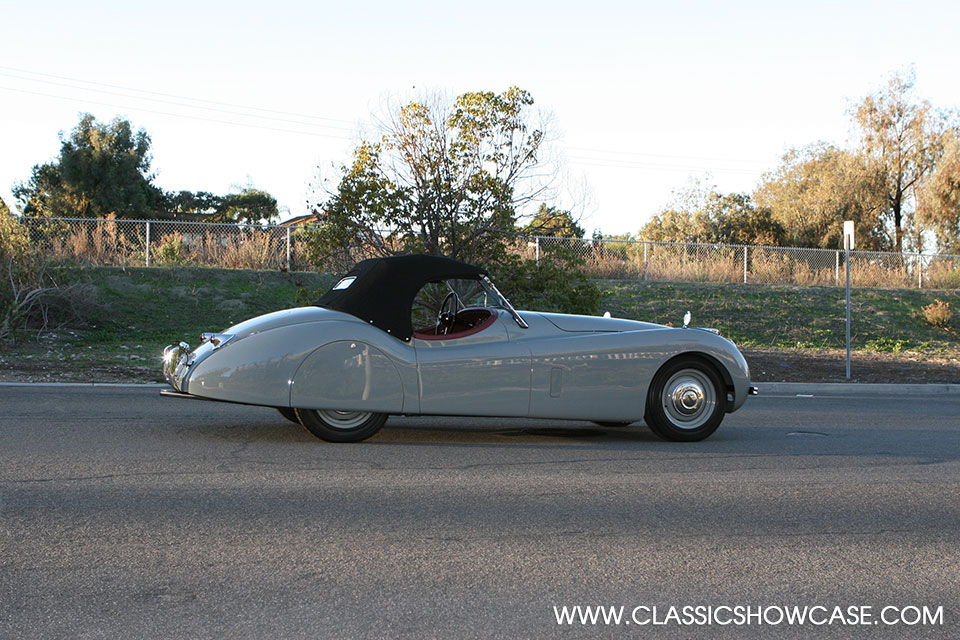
(446, 319)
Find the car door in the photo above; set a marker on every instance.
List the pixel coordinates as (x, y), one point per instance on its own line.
(482, 374)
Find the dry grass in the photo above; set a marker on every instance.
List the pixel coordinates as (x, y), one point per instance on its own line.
(244, 250)
(101, 243)
(113, 242)
(938, 313)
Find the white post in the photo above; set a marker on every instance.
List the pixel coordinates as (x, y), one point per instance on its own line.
(848, 245)
(148, 243)
(288, 249)
(645, 245)
(538, 250)
(744, 264)
(847, 261)
(836, 277)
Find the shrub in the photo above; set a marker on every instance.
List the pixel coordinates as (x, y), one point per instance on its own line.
(171, 250)
(555, 285)
(14, 240)
(938, 313)
(30, 296)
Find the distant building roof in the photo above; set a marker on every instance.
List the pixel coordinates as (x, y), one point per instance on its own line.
(299, 221)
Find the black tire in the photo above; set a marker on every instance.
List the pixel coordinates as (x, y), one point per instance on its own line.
(604, 423)
(686, 401)
(289, 414)
(341, 426)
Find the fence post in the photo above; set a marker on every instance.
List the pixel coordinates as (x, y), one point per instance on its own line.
(836, 277)
(645, 245)
(744, 264)
(288, 249)
(537, 240)
(148, 244)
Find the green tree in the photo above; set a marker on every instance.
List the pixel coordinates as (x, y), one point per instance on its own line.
(670, 225)
(250, 205)
(902, 137)
(441, 178)
(816, 188)
(734, 219)
(200, 202)
(102, 169)
(554, 223)
(715, 219)
(451, 179)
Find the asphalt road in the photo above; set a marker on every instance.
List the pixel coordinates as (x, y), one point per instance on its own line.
(124, 515)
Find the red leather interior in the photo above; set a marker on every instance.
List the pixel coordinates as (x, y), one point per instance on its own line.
(469, 321)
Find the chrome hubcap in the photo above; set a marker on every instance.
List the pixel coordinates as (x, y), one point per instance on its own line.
(689, 399)
(344, 419)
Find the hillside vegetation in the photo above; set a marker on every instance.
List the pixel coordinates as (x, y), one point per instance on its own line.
(136, 312)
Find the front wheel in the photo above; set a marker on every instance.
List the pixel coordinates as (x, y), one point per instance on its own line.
(341, 426)
(289, 414)
(686, 401)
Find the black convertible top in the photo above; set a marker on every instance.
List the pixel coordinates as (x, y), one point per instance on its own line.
(385, 288)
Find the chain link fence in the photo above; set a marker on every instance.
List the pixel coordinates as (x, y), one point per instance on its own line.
(239, 246)
(668, 261)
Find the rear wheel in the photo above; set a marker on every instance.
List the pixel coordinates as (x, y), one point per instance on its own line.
(341, 426)
(686, 400)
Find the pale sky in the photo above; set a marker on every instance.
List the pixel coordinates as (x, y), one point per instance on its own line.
(645, 95)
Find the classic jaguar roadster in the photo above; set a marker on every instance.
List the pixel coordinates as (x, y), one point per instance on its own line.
(423, 335)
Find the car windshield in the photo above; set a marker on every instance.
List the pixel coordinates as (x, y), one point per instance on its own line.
(502, 303)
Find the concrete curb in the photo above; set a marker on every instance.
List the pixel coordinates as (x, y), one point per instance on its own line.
(841, 388)
(87, 385)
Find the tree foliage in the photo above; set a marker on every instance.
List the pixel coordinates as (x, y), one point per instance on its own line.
(14, 242)
(706, 216)
(250, 205)
(103, 168)
(558, 283)
(902, 137)
(816, 188)
(452, 178)
(554, 223)
(442, 178)
(938, 206)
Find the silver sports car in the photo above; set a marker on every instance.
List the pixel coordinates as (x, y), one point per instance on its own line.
(423, 335)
